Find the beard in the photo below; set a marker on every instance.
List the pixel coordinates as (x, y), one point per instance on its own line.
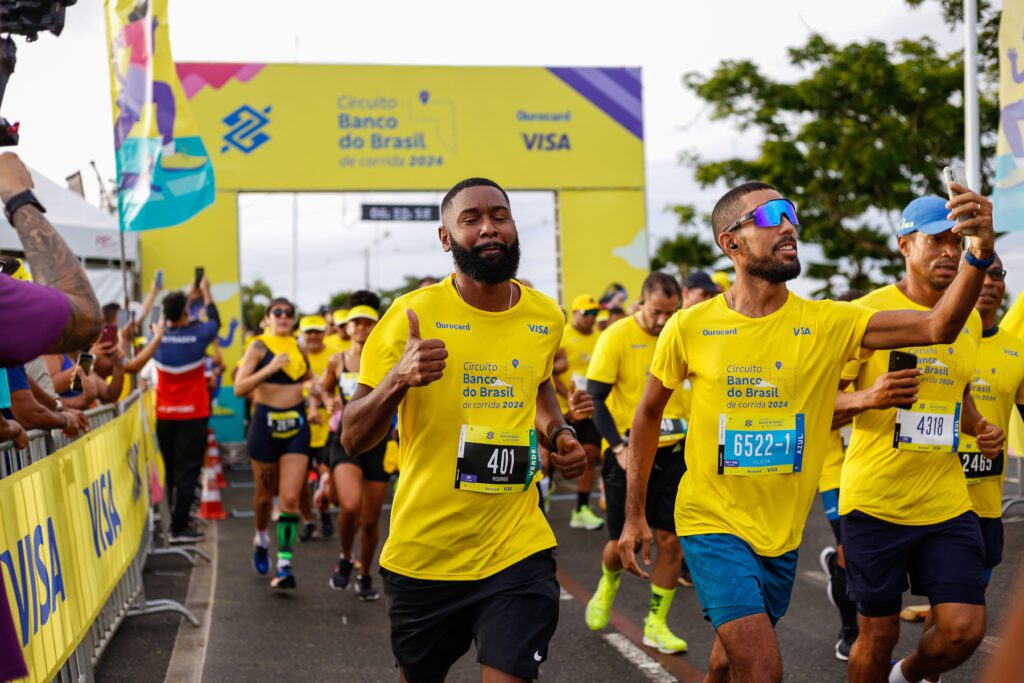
(770, 268)
(489, 270)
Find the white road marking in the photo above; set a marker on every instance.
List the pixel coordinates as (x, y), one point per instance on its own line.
(638, 658)
(816, 577)
(564, 595)
(990, 644)
(344, 620)
(189, 654)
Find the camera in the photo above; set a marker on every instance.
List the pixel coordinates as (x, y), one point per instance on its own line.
(24, 18)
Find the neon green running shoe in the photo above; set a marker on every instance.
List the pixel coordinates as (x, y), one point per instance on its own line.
(599, 608)
(657, 635)
(585, 519)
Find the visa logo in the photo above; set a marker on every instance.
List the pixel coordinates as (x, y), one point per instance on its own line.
(106, 522)
(539, 329)
(36, 585)
(1011, 352)
(801, 331)
(545, 142)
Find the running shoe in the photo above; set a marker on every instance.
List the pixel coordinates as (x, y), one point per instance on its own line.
(599, 608)
(308, 529)
(186, 536)
(261, 560)
(365, 591)
(847, 637)
(826, 560)
(284, 579)
(342, 576)
(685, 579)
(326, 525)
(585, 519)
(657, 635)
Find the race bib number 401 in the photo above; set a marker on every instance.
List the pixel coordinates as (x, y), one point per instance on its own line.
(496, 460)
(928, 426)
(760, 444)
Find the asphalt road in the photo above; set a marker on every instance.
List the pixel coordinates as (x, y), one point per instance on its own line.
(317, 634)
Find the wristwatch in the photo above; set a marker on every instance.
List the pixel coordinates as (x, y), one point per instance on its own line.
(560, 428)
(979, 263)
(19, 200)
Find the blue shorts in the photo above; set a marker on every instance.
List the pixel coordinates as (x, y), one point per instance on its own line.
(992, 535)
(830, 499)
(733, 581)
(943, 561)
(269, 439)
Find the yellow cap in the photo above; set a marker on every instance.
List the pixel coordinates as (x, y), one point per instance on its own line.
(312, 323)
(722, 280)
(22, 272)
(362, 312)
(340, 316)
(584, 302)
(603, 315)
(141, 341)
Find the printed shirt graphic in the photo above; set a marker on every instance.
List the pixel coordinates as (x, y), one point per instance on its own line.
(622, 358)
(318, 365)
(997, 386)
(896, 484)
(496, 362)
(578, 350)
(181, 390)
(785, 363)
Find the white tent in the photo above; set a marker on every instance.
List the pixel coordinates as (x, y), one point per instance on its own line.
(91, 233)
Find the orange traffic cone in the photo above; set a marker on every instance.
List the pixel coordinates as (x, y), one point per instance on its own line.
(213, 461)
(210, 506)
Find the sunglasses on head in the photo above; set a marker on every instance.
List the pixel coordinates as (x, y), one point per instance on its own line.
(768, 215)
(997, 274)
(282, 313)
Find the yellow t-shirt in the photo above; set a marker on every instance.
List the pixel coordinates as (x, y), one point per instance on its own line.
(318, 364)
(997, 386)
(905, 485)
(336, 344)
(496, 363)
(749, 375)
(1013, 322)
(622, 358)
(578, 349)
(832, 469)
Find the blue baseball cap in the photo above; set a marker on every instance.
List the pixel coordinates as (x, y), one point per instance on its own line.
(927, 215)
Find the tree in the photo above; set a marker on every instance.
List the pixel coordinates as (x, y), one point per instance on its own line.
(687, 250)
(865, 131)
(255, 298)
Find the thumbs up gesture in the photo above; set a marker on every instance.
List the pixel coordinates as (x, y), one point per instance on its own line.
(422, 362)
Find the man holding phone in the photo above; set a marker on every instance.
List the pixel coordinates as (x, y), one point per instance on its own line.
(763, 364)
(905, 509)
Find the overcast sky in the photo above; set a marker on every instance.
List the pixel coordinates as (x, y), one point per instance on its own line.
(60, 91)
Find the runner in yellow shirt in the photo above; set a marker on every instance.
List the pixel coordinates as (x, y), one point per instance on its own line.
(764, 365)
(313, 328)
(575, 350)
(467, 363)
(616, 379)
(338, 340)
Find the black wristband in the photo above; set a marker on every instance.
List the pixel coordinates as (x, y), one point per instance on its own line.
(560, 428)
(19, 200)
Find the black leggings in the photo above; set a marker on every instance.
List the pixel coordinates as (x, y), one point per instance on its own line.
(183, 446)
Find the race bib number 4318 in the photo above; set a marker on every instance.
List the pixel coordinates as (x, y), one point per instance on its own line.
(929, 426)
(496, 460)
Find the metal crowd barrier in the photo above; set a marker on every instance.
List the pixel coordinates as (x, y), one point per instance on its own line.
(128, 599)
(1016, 479)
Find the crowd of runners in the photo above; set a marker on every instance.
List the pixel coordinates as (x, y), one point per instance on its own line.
(700, 423)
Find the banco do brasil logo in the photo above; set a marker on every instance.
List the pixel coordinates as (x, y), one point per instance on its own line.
(246, 129)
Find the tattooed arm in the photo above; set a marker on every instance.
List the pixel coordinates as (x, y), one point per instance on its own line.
(51, 260)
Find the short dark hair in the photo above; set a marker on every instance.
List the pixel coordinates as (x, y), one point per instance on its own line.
(364, 297)
(663, 282)
(110, 310)
(281, 300)
(174, 306)
(727, 209)
(9, 264)
(446, 203)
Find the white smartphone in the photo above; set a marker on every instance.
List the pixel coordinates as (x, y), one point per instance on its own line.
(956, 174)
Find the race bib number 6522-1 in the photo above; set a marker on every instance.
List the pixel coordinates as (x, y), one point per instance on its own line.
(496, 460)
(751, 444)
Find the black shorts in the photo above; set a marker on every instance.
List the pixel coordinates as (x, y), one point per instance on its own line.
(317, 456)
(944, 561)
(265, 446)
(511, 615)
(992, 535)
(586, 431)
(371, 462)
(662, 487)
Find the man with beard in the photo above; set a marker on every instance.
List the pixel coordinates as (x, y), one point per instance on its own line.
(467, 364)
(903, 500)
(764, 365)
(616, 378)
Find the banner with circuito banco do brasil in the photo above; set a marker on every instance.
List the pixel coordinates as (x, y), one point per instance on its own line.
(1008, 194)
(164, 175)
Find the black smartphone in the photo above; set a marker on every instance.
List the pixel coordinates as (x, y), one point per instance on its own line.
(85, 361)
(200, 272)
(901, 360)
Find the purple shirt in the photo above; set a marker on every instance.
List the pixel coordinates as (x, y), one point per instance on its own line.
(32, 319)
(12, 663)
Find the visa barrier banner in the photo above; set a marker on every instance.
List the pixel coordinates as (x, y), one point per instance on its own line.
(1008, 194)
(70, 525)
(164, 176)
